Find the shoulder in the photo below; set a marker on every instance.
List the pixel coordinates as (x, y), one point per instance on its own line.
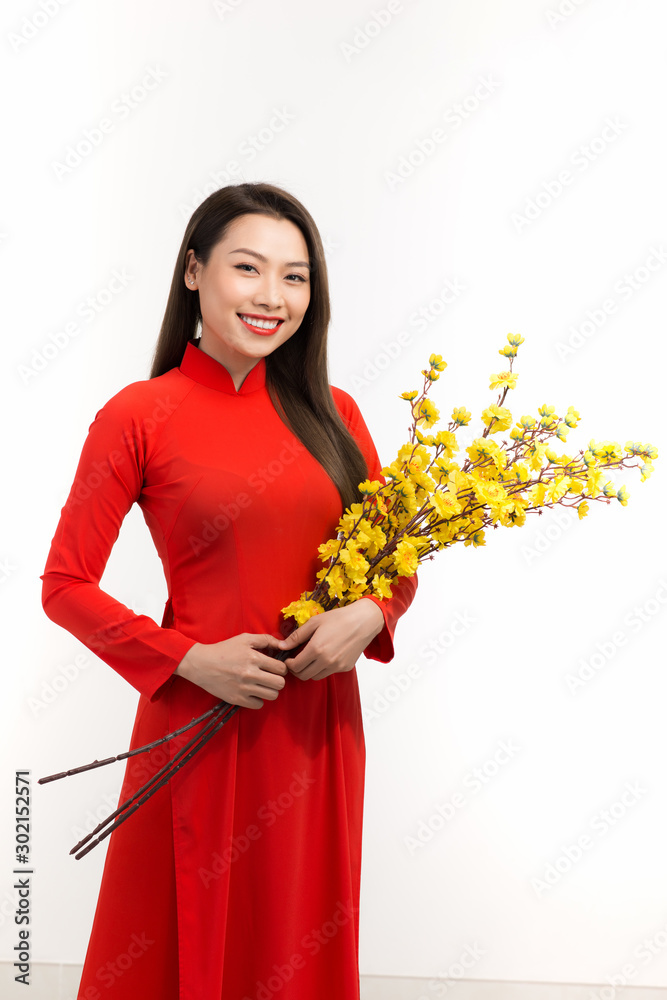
(152, 399)
(347, 407)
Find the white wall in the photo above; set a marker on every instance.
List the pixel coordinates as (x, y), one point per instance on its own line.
(531, 605)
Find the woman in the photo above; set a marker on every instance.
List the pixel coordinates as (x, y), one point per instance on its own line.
(240, 877)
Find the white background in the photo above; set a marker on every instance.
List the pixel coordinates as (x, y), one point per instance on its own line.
(530, 606)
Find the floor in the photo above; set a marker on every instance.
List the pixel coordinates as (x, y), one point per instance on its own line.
(59, 982)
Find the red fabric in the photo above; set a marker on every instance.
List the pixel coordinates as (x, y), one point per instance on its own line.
(239, 879)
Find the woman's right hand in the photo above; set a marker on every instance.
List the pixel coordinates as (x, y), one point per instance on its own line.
(235, 669)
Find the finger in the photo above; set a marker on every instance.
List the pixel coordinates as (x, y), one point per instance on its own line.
(270, 664)
(265, 641)
(297, 664)
(300, 635)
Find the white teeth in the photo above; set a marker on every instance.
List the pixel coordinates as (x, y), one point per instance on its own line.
(262, 324)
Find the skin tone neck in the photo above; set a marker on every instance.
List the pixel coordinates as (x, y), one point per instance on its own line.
(259, 271)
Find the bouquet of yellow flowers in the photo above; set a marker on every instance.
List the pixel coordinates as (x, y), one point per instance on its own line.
(427, 502)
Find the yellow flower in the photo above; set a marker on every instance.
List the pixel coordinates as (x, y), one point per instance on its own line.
(527, 422)
(609, 489)
(623, 495)
(461, 416)
(353, 561)
(562, 432)
(427, 413)
(446, 440)
(557, 488)
(405, 558)
(572, 417)
(503, 380)
(498, 417)
(508, 351)
(432, 374)
(381, 585)
(483, 448)
(515, 339)
(428, 440)
(582, 509)
(336, 581)
(412, 394)
(436, 362)
(328, 549)
(476, 539)
(372, 538)
(302, 610)
(369, 486)
(646, 469)
(445, 504)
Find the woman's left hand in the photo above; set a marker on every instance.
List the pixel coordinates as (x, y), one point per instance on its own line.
(334, 640)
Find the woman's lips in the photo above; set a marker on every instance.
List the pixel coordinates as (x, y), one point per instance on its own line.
(258, 330)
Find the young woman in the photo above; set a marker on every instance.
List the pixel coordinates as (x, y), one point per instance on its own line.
(240, 878)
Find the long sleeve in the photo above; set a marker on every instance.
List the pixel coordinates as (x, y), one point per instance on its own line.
(108, 480)
(404, 587)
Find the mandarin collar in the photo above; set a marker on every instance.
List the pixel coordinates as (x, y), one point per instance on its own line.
(202, 368)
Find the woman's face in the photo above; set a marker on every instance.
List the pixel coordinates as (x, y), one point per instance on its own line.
(258, 271)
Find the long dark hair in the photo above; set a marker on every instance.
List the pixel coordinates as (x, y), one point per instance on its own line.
(296, 372)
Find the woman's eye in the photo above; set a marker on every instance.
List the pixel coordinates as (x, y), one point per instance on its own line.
(299, 277)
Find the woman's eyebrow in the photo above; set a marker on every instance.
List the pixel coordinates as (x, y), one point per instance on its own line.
(259, 256)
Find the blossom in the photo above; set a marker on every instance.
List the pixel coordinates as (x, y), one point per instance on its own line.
(436, 362)
(427, 413)
(405, 558)
(447, 441)
(381, 585)
(504, 380)
(302, 610)
(461, 416)
(498, 418)
(412, 394)
(582, 509)
(445, 504)
(476, 539)
(623, 495)
(353, 561)
(369, 486)
(515, 339)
